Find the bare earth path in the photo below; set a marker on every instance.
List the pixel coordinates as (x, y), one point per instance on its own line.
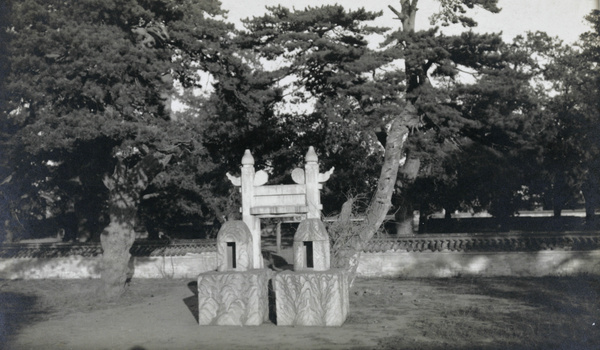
(459, 313)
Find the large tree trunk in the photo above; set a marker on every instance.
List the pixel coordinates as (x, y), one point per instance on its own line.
(381, 202)
(355, 238)
(116, 240)
(559, 194)
(125, 187)
(592, 198)
(397, 135)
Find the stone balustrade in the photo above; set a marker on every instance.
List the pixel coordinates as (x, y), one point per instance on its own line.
(486, 243)
(576, 241)
(139, 249)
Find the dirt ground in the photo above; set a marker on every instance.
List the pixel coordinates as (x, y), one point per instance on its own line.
(385, 313)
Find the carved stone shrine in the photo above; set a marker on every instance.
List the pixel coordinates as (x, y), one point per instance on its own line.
(234, 247)
(301, 199)
(238, 292)
(311, 246)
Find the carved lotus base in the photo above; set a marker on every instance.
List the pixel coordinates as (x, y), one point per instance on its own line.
(233, 298)
(311, 298)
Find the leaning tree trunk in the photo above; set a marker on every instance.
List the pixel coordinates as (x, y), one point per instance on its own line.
(125, 187)
(382, 200)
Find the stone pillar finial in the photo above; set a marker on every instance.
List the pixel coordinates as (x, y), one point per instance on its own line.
(250, 220)
(311, 155)
(311, 176)
(247, 159)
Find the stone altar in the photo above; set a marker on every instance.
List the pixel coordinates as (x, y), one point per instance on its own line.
(235, 294)
(238, 292)
(236, 298)
(311, 295)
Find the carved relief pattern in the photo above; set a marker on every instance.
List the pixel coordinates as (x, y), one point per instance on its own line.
(311, 230)
(233, 298)
(311, 298)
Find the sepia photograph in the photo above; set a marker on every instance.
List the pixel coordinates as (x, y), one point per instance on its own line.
(307, 174)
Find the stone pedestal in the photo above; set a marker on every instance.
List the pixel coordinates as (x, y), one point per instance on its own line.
(233, 298)
(311, 298)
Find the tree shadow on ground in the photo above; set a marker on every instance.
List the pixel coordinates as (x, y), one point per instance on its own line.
(16, 311)
(564, 312)
(192, 301)
(557, 294)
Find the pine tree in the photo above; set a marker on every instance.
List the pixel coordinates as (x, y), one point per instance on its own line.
(332, 93)
(355, 92)
(87, 96)
(572, 145)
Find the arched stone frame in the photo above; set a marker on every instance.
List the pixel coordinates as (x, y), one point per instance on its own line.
(302, 199)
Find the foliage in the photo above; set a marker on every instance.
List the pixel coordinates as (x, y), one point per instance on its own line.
(89, 84)
(332, 92)
(572, 145)
(470, 132)
(454, 11)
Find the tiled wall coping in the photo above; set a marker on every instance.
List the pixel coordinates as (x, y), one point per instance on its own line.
(509, 242)
(139, 249)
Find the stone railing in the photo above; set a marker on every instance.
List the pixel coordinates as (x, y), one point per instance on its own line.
(139, 249)
(576, 241)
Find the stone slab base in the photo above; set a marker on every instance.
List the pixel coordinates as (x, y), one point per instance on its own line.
(233, 298)
(311, 298)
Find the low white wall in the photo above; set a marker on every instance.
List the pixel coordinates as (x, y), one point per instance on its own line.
(187, 266)
(483, 264)
(392, 263)
(74, 266)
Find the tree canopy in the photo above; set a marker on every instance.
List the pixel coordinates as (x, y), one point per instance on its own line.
(333, 93)
(572, 144)
(433, 121)
(87, 87)
(86, 98)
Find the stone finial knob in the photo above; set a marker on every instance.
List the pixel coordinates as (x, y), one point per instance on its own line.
(311, 155)
(247, 159)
